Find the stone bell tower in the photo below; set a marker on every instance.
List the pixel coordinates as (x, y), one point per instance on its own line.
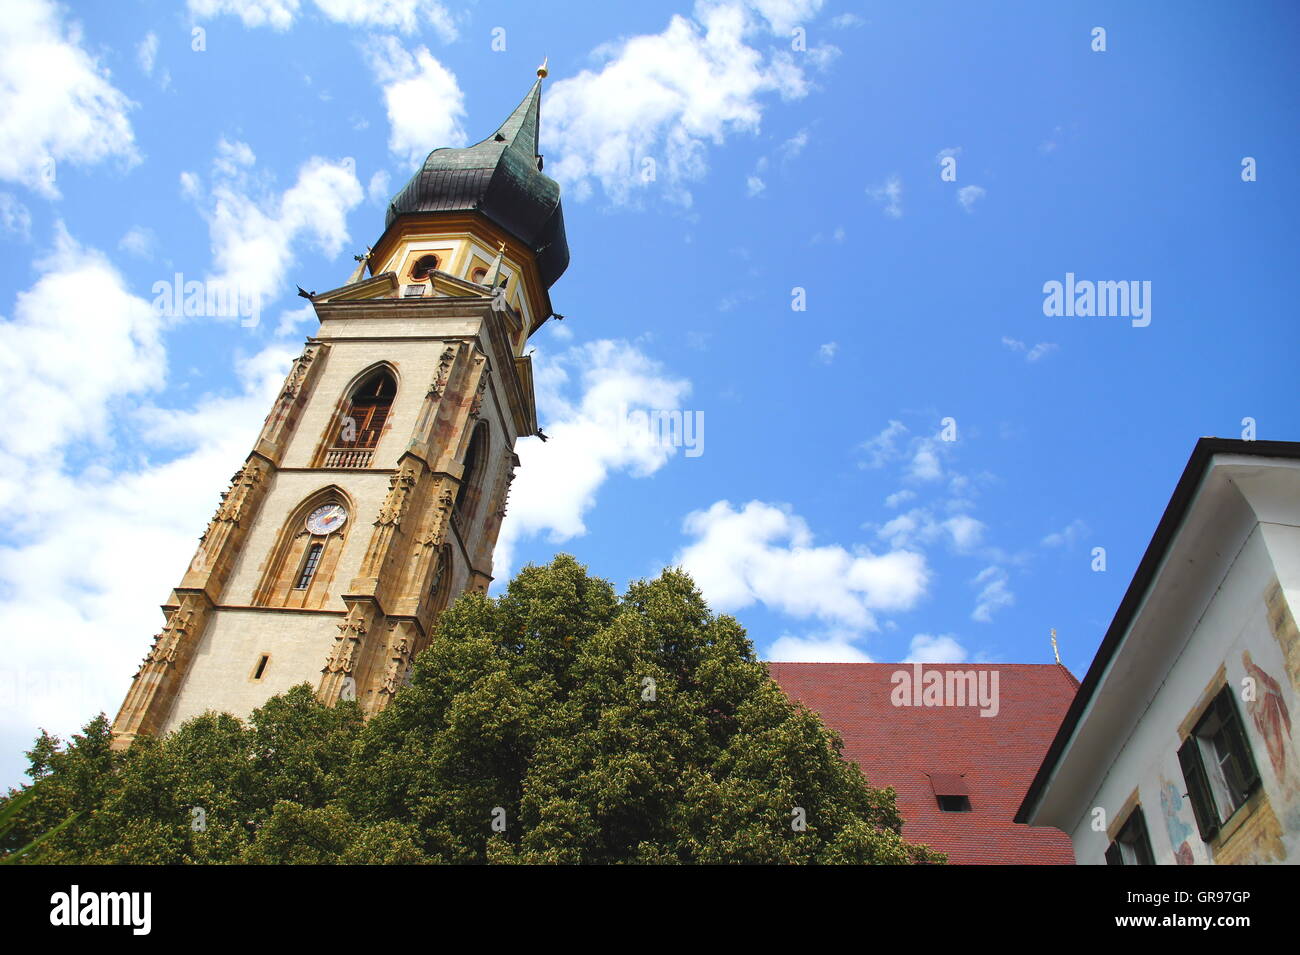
(375, 492)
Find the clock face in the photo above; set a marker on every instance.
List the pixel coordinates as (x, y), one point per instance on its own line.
(326, 519)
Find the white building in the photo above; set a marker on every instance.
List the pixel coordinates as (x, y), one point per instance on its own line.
(1181, 745)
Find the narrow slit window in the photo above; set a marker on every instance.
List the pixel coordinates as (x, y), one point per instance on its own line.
(309, 566)
(261, 666)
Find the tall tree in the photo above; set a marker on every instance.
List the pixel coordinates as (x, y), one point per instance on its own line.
(557, 724)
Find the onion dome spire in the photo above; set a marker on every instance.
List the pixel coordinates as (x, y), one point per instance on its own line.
(501, 178)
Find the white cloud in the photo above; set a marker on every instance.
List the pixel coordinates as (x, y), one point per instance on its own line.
(191, 185)
(754, 185)
(73, 623)
(277, 14)
(883, 448)
(783, 16)
(146, 53)
(837, 235)
(138, 241)
(588, 438)
(918, 528)
(232, 158)
(765, 553)
(925, 460)
(951, 152)
(966, 531)
(835, 646)
(969, 195)
(1068, 536)
(1031, 354)
(292, 318)
(406, 16)
(826, 352)
(56, 102)
(899, 497)
(941, 648)
(994, 593)
(424, 101)
(793, 146)
(63, 364)
(890, 195)
(377, 191)
(255, 233)
(666, 97)
(15, 218)
(844, 21)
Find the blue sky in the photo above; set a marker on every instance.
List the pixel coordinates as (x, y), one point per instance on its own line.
(826, 511)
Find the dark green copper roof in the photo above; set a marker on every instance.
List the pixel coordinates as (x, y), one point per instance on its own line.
(500, 177)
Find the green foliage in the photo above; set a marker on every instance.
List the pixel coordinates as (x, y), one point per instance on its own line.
(9, 813)
(557, 724)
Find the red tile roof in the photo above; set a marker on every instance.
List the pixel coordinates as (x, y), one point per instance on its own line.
(906, 746)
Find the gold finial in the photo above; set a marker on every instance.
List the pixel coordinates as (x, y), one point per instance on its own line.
(542, 71)
(501, 247)
(1055, 652)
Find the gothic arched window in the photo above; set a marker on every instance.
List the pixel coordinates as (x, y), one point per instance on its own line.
(361, 421)
(369, 409)
(472, 477)
(306, 553)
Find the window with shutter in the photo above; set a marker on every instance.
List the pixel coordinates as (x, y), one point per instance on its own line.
(1198, 789)
(1132, 845)
(1232, 749)
(1218, 764)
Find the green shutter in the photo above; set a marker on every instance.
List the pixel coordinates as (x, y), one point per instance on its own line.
(1198, 789)
(1141, 838)
(1226, 710)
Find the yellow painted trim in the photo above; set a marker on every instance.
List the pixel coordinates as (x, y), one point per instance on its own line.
(1212, 689)
(447, 226)
(1118, 820)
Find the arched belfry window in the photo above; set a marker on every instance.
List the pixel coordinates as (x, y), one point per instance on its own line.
(471, 480)
(361, 421)
(300, 569)
(423, 266)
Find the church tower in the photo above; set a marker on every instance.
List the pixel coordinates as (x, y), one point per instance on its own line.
(375, 491)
